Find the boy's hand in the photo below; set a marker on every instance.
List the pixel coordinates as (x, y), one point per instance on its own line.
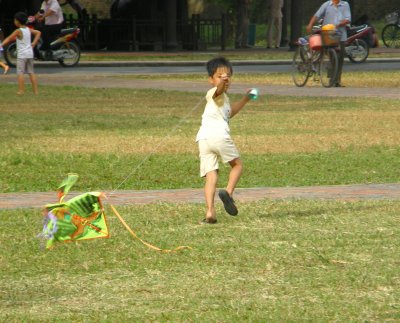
(224, 78)
(224, 81)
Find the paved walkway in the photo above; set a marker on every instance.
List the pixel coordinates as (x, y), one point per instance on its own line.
(334, 192)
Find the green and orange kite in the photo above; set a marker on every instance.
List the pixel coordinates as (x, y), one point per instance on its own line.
(81, 218)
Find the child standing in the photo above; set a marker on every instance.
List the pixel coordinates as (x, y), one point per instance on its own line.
(214, 138)
(24, 51)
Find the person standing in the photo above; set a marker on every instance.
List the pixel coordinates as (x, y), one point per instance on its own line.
(242, 24)
(51, 14)
(214, 138)
(25, 47)
(336, 12)
(274, 32)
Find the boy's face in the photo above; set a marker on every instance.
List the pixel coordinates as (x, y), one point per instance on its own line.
(16, 23)
(222, 74)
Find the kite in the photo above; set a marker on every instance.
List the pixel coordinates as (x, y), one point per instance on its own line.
(81, 218)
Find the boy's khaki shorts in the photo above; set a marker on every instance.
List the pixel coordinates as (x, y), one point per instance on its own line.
(210, 149)
(25, 66)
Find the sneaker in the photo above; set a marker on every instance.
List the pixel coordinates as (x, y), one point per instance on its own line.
(229, 203)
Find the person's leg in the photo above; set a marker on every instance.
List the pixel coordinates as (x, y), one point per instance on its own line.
(340, 64)
(32, 76)
(209, 170)
(278, 25)
(20, 75)
(21, 84)
(270, 32)
(234, 175)
(275, 31)
(209, 192)
(4, 67)
(34, 82)
(45, 37)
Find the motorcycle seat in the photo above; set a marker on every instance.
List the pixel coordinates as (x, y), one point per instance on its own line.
(68, 31)
(358, 28)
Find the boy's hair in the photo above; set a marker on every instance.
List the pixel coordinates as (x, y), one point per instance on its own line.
(213, 64)
(21, 17)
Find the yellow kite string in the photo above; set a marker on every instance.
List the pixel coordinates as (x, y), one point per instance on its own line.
(142, 241)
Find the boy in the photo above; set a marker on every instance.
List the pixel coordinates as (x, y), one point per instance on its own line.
(24, 51)
(214, 138)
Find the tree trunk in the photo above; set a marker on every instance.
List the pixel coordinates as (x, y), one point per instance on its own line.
(172, 43)
(296, 21)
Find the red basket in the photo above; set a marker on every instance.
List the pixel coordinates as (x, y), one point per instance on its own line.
(315, 42)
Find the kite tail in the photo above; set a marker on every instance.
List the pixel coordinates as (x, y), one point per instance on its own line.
(49, 229)
(142, 241)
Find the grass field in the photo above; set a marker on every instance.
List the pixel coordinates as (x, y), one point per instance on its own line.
(277, 261)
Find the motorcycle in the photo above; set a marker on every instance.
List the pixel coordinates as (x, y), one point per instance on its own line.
(359, 40)
(358, 43)
(65, 48)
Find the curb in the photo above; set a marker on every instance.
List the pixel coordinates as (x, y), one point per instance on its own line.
(190, 63)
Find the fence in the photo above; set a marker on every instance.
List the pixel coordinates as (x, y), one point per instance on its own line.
(134, 34)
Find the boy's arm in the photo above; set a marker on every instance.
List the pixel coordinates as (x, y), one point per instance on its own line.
(12, 37)
(237, 106)
(37, 34)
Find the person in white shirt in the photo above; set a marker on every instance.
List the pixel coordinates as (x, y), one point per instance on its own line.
(51, 14)
(214, 139)
(274, 31)
(24, 51)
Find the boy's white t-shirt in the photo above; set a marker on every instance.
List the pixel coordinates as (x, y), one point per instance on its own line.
(215, 118)
(24, 45)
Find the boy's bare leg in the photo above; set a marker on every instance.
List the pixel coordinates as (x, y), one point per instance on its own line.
(34, 82)
(234, 175)
(5, 67)
(209, 191)
(21, 84)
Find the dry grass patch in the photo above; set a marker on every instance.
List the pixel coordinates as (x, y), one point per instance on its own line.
(378, 79)
(272, 132)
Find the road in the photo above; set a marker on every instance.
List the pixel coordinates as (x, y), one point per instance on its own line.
(279, 67)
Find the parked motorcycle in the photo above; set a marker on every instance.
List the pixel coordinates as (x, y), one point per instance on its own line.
(358, 43)
(359, 40)
(65, 48)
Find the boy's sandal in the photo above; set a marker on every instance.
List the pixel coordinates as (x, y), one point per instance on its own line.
(208, 221)
(6, 70)
(229, 203)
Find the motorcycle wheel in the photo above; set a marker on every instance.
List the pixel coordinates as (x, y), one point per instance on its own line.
(74, 51)
(357, 51)
(10, 54)
(391, 36)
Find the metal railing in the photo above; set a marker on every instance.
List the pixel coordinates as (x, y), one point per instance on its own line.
(134, 34)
